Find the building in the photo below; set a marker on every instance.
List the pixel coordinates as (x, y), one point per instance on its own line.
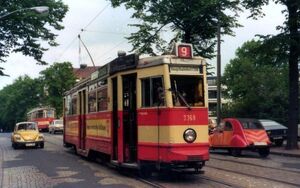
(84, 71)
(212, 96)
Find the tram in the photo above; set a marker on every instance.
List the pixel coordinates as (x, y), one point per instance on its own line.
(43, 116)
(145, 113)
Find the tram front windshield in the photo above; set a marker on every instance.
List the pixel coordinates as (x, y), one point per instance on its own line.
(187, 91)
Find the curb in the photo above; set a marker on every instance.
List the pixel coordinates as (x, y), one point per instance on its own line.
(285, 154)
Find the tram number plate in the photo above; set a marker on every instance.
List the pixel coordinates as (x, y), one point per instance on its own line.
(30, 144)
(260, 143)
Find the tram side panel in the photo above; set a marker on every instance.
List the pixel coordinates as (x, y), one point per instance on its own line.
(98, 132)
(71, 131)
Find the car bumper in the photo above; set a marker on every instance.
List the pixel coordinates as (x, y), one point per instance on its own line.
(28, 144)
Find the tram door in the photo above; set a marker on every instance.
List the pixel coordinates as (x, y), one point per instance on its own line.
(129, 118)
(82, 112)
(115, 118)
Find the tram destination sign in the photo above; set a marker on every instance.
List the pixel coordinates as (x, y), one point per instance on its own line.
(123, 63)
(186, 69)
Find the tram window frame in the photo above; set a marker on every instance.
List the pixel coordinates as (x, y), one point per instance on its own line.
(73, 105)
(92, 98)
(194, 96)
(40, 114)
(68, 105)
(102, 100)
(150, 88)
(92, 103)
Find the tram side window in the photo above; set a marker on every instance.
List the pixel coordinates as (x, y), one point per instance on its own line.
(68, 105)
(102, 99)
(187, 91)
(152, 91)
(73, 106)
(50, 113)
(92, 101)
(40, 114)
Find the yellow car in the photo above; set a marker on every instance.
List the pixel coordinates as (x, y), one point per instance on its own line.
(27, 134)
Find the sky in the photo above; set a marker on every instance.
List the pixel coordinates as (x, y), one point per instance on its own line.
(104, 31)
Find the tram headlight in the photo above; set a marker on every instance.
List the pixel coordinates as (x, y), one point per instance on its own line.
(189, 135)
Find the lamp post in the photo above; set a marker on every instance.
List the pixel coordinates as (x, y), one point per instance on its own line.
(39, 10)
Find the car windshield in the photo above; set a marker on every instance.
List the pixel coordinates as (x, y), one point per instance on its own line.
(249, 124)
(27, 126)
(59, 122)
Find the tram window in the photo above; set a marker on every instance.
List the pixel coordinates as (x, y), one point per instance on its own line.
(73, 106)
(102, 99)
(152, 89)
(50, 113)
(92, 101)
(40, 114)
(187, 90)
(68, 105)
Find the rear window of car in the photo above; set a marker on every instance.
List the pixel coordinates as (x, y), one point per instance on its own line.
(269, 123)
(59, 122)
(251, 124)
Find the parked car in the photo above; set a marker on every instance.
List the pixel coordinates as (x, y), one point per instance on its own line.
(27, 134)
(236, 134)
(276, 131)
(56, 125)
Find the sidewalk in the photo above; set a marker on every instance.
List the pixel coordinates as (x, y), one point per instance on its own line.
(284, 152)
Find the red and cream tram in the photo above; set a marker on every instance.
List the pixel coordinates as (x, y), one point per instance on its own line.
(148, 113)
(43, 116)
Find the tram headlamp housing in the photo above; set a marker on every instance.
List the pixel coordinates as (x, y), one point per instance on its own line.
(189, 135)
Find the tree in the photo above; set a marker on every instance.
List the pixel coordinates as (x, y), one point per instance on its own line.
(291, 31)
(56, 80)
(16, 99)
(256, 81)
(191, 21)
(24, 31)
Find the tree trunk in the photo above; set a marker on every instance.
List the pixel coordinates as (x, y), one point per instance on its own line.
(293, 26)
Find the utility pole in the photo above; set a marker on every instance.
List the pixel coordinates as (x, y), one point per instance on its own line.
(219, 72)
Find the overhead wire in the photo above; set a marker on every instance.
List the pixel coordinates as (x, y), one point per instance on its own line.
(72, 41)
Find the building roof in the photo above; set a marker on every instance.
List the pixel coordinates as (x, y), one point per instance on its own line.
(84, 71)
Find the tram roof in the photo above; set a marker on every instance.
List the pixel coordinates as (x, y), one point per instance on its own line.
(133, 61)
(40, 108)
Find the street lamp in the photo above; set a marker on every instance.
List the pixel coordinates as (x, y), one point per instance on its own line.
(39, 10)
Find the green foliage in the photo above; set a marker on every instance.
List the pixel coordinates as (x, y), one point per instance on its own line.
(191, 21)
(257, 82)
(24, 30)
(16, 99)
(291, 31)
(57, 79)
(26, 93)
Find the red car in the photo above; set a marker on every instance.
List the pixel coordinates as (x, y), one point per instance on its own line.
(236, 135)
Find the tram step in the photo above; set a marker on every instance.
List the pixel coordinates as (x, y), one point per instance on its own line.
(125, 165)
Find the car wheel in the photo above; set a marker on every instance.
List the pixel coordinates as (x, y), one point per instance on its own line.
(42, 145)
(236, 152)
(264, 152)
(278, 142)
(14, 145)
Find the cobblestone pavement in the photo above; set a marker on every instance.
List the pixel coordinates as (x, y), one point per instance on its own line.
(53, 166)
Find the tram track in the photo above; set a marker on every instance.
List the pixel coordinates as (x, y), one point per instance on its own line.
(257, 165)
(265, 176)
(154, 182)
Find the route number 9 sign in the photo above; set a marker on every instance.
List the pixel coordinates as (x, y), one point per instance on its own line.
(184, 50)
